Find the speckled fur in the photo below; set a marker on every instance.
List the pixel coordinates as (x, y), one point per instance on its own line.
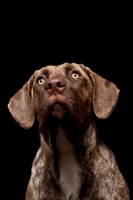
(72, 163)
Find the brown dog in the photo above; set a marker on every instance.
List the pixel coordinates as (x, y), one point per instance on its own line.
(72, 162)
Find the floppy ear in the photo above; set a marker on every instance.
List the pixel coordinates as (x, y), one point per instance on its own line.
(20, 106)
(105, 94)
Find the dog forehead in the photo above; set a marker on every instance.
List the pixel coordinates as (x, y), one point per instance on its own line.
(60, 70)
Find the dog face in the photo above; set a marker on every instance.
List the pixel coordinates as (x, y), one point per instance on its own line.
(56, 92)
(67, 89)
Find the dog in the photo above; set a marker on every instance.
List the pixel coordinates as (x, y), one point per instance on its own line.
(72, 162)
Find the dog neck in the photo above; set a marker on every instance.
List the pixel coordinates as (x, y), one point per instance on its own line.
(81, 136)
(69, 167)
(67, 150)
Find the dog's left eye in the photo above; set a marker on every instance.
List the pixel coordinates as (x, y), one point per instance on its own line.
(75, 75)
(40, 81)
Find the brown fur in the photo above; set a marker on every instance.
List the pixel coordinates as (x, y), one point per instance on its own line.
(72, 163)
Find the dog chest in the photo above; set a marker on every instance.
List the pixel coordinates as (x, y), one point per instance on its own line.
(69, 168)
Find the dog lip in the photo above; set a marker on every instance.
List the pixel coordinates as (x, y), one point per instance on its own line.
(56, 98)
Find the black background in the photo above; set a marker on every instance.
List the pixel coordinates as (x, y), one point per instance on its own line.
(100, 39)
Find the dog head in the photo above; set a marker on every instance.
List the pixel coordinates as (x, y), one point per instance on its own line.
(67, 89)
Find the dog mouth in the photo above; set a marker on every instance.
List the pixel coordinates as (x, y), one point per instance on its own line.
(58, 110)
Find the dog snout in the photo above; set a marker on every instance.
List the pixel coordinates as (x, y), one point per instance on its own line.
(55, 86)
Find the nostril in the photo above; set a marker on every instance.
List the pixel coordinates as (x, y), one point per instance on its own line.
(48, 86)
(60, 84)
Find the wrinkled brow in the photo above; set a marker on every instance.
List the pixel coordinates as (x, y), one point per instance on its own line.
(44, 71)
(69, 67)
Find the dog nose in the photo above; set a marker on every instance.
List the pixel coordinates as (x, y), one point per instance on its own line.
(55, 86)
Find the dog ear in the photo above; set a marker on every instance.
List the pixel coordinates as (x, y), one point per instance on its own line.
(20, 105)
(105, 94)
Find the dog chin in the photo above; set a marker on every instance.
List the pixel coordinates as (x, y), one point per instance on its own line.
(58, 110)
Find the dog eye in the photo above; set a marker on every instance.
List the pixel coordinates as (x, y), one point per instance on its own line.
(75, 75)
(40, 81)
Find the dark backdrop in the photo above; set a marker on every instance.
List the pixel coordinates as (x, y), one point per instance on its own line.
(102, 43)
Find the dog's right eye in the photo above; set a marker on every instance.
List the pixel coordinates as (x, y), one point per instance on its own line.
(40, 81)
